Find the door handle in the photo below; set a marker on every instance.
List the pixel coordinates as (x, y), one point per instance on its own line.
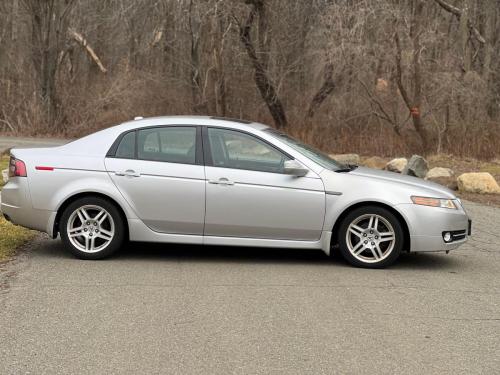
(128, 173)
(221, 181)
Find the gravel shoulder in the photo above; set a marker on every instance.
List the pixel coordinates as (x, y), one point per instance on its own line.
(175, 309)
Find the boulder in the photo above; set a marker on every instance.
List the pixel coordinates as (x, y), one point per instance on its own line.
(396, 165)
(417, 166)
(450, 182)
(374, 162)
(347, 158)
(439, 172)
(481, 182)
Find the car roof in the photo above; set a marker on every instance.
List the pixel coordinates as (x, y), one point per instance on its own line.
(190, 120)
(99, 143)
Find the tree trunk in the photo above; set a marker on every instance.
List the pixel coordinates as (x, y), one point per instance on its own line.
(416, 110)
(49, 25)
(199, 105)
(465, 50)
(264, 84)
(414, 104)
(220, 76)
(323, 93)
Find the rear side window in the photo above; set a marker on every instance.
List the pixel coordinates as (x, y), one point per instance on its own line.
(126, 148)
(170, 144)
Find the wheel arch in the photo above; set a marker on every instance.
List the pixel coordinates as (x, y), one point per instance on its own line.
(74, 197)
(391, 209)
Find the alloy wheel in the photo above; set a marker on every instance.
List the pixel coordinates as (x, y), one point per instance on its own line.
(90, 228)
(370, 238)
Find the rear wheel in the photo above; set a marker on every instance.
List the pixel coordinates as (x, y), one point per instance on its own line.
(92, 228)
(370, 237)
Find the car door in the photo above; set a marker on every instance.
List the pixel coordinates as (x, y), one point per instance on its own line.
(160, 173)
(248, 195)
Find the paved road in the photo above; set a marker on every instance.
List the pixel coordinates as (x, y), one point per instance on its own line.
(192, 310)
(9, 142)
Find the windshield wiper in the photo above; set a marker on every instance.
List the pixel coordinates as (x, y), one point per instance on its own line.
(346, 168)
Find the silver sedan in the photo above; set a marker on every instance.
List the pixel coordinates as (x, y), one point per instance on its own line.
(216, 181)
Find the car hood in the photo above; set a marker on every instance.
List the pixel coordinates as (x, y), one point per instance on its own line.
(410, 181)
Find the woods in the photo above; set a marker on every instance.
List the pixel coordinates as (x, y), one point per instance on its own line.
(378, 77)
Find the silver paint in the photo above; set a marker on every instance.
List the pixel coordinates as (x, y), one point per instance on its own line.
(168, 202)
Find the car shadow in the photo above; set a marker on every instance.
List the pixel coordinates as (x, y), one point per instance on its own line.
(139, 251)
(227, 254)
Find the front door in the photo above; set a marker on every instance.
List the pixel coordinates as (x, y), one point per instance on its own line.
(159, 171)
(248, 195)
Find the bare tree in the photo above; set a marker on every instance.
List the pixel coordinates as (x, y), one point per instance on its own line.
(264, 84)
(341, 74)
(49, 26)
(414, 102)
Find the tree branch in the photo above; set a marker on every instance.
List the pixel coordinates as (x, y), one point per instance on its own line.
(90, 51)
(385, 116)
(457, 12)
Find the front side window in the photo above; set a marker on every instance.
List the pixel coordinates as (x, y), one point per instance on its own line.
(170, 144)
(234, 149)
(310, 152)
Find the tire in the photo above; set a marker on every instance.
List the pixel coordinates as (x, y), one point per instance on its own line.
(92, 228)
(370, 237)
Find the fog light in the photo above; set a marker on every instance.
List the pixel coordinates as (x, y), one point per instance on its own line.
(447, 236)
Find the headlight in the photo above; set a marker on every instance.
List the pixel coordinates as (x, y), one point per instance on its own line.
(435, 202)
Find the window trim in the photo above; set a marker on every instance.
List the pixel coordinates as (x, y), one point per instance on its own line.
(207, 152)
(198, 144)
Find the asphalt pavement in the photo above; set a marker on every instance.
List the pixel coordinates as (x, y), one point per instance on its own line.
(170, 309)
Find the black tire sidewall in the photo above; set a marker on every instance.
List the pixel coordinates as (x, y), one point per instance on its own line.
(389, 216)
(119, 235)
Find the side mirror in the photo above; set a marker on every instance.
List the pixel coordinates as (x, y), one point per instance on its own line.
(294, 168)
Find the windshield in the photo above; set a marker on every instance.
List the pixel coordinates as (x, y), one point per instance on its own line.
(317, 156)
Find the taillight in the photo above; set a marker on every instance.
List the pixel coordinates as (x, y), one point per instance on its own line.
(17, 168)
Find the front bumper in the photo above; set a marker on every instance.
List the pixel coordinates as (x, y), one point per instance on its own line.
(428, 224)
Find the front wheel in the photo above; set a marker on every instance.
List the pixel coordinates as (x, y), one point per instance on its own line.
(92, 228)
(370, 237)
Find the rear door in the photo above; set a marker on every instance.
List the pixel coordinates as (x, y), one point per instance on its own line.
(248, 195)
(159, 171)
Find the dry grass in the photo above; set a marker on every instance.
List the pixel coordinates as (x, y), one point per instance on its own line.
(11, 236)
(486, 199)
(464, 165)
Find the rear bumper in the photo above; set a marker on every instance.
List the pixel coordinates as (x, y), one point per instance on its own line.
(428, 224)
(16, 207)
